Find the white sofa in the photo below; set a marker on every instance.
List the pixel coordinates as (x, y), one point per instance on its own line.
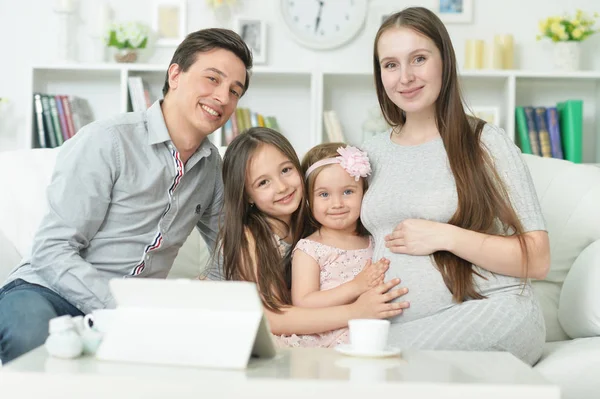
(570, 199)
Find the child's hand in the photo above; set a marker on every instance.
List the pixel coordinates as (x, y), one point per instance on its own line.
(371, 275)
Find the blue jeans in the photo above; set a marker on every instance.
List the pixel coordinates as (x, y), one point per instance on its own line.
(25, 310)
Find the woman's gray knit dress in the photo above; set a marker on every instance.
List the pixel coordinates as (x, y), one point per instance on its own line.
(415, 182)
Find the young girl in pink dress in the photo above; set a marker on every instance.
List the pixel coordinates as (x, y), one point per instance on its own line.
(332, 266)
(264, 217)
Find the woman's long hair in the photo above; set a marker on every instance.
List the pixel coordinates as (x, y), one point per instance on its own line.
(482, 197)
(273, 274)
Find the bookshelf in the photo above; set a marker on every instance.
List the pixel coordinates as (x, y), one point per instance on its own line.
(298, 97)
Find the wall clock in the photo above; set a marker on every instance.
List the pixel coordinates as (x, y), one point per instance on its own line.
(323, 24)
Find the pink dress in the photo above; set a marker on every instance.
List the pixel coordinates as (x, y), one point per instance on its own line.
(338, 266)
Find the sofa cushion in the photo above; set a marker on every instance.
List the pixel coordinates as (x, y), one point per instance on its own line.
(24, 204)
(574, 365)
(548, 295)
(192, 259)
(9, 256)
(569, 195)
(579, 306)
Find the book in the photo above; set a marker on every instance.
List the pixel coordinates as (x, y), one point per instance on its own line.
(570, 116)
(245, 112)
(39, 121)
(50, 133)
(80, 112)
(55, 121)
(522, 132)
(336, 127)
(227, 134)
(68, 115)
(554, 131)
(240, 124)
(234, 126)
(261, 120)
(62, 118)
(534, 140)
(328, 127)
(544, 136)
(136, 93)
(271, 123)
(254, 119)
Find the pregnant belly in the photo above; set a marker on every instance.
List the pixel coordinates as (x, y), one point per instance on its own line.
(427, 292)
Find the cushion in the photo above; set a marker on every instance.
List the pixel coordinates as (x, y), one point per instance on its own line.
(9, 257)
(569, 195)
(574, 365)
(23, 206)
(579, 306)
(548, 294)
(192, 259)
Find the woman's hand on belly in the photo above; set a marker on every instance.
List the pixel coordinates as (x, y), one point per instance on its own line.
(418, 237)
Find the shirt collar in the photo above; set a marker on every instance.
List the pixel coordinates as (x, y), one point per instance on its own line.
(158, 133)
(157, 128)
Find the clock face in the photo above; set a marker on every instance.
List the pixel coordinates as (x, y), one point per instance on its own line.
(324, 24)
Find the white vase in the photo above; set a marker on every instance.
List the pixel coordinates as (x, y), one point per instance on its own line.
(567, 56)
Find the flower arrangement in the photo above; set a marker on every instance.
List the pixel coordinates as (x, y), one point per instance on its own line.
(128, 35)
(568, 28)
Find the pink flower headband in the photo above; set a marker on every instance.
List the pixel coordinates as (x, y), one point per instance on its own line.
(353, 160)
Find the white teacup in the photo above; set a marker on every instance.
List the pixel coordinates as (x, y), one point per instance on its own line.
(99, 320)
(368, 335)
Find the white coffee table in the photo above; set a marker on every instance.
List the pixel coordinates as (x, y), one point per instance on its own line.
(294, 373)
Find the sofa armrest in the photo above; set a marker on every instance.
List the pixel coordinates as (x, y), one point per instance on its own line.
(579, 305)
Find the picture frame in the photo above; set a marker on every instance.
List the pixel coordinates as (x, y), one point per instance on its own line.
(254, 33)
(378, 12)
(169, 22)
(489, 114)
(455, 11)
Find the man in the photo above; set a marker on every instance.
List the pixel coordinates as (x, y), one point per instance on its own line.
(126, 193)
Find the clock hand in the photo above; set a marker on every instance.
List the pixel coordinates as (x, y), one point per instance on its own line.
(318, 21)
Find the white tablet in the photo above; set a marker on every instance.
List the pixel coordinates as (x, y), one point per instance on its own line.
(187, 322)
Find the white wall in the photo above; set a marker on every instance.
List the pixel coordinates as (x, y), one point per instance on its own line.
(28, 36)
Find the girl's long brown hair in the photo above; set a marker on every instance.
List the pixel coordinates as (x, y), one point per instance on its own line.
(482, 197)
(273, 274)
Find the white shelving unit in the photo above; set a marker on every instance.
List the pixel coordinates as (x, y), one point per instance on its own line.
(298, 97)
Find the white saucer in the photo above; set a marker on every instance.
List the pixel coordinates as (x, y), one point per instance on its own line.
(347, 349)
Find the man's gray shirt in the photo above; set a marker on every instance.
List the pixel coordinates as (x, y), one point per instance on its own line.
(121, 204)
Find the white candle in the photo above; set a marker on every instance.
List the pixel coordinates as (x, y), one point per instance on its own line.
(474, 54)
(64, 5)
(493, 55)
(101, 18)
(507, 43)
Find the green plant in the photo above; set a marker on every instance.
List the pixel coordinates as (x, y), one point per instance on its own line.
(127, 35)
(568, 28)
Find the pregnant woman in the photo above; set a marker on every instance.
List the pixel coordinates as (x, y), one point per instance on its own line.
(451, 204)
